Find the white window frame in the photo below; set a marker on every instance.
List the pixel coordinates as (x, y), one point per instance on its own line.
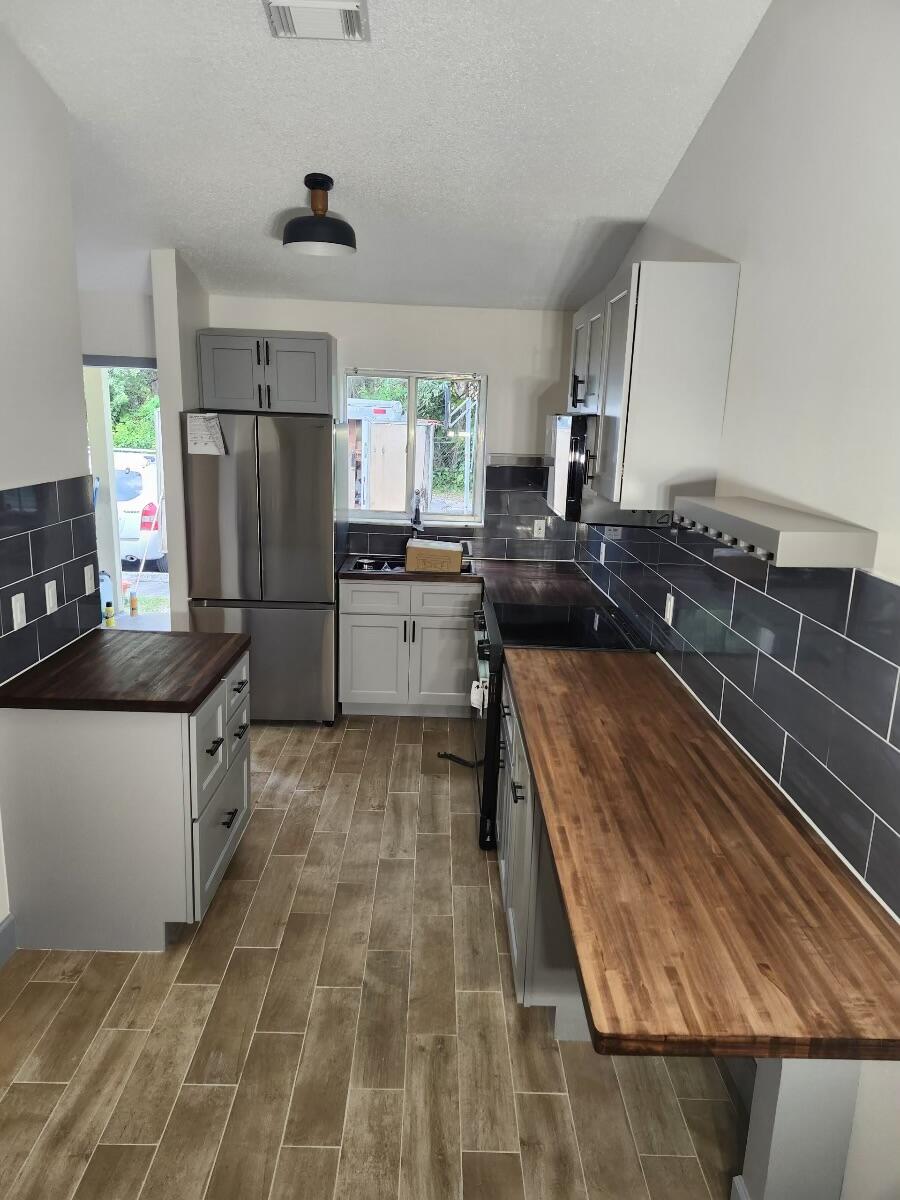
(475, 518)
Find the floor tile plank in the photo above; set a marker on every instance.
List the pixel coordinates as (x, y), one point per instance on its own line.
(319, 765)
(282, 783)
(550, 1162)
(713, 1126)
(492, 1177)
(301, 739)
(299, 823)
(477, 965)
(25, 1023)
(487, 1110)
(344, 955)
(305, 1173)
(433, 743)
(18, 970)
(360, 861)
(215, 938)
(654, 1112)
(432, 992)
(245, 1164)
(696, 1078)
(72, 1030)
(266, 746)
(380, 1054)
(393, 907)
(271, 905)
(533, 1050)
(188, 1149)
(255, 845)
(370, 1157)
(143, 1108)
(674, 1179)
(225, 1041)
(61, 1153)
(316, 1115)
(115, 1173)
(24, 1111)
(468, 864)
(399, 837)
(497, 904)
(332, 734)
(143, 992)
(63, 966)
(352, 753)
(432, 895)
(318, 879)
(338, 804)
(376, 769)
(430, 1162)
(434, 805)
(405, 768)
(612, 1168)
(290, 991)
(409, 731)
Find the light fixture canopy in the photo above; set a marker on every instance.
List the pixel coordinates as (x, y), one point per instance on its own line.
(319, 233)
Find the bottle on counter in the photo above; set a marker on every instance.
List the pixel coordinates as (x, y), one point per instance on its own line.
(109, 615)
(133, 604)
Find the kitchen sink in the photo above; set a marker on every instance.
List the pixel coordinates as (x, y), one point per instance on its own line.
(385, 566)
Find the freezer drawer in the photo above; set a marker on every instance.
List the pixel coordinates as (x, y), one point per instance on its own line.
(292, 657)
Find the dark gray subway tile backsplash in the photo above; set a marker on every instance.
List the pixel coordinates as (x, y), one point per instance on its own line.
(47, 534)
(800, 666)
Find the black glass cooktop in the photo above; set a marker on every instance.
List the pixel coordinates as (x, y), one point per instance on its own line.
(567, 627)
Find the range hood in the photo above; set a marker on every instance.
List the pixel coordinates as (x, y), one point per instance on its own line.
(786, 537)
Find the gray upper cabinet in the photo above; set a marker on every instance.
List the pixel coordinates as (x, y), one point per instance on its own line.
(260, 370)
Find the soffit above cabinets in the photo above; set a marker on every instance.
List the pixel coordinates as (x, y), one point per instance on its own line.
(787, 537)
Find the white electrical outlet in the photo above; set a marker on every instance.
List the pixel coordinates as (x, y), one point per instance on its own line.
(614, 532)
(50, 595)
(89, 584)
(18, 610)
(603, 552)
(670, 608)
(540, 527)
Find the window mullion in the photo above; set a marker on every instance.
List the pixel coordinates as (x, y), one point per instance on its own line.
(411, 385)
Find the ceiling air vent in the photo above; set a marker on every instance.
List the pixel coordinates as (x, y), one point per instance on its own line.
(335, 20)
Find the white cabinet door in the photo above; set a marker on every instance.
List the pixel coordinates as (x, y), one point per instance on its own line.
(621, 312)
(374, 659)
(445, 599)
(297, 375)
(373, 596)
(579, 362)
(441, 660)
(231, 371)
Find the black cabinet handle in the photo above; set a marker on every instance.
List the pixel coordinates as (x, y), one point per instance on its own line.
(516, 790)
(257, 352)
(230, 817)
(267, 351)
(413, 638)
(259, 393)
(404, 631)
(214, 748)
(241, 731)
(506, 710)
(239, 687)
(577, 382)
(268, 396)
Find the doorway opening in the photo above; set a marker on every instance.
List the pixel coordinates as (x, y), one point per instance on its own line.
(122, 400)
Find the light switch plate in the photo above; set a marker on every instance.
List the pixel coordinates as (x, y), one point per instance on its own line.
(89, 584)
(603, 552)
(18, 610)
(540, 527)
(50, 594)
(613, 532)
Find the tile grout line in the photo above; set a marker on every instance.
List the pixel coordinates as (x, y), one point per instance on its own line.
(629, 1120)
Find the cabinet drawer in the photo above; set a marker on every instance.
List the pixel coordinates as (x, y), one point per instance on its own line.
(237, 684)
(238, 733)
(209, 758)
(371, 597)
(217, 832)
(445, 599)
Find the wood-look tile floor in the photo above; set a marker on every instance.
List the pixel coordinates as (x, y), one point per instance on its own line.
(341, 1026)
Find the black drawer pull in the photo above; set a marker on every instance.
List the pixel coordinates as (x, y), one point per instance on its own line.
(516, 790)
(241, 731)
(239, 687)
(506, 710)
(214, 748)
(231, 817)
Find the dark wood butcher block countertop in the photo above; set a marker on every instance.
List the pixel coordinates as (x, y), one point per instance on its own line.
(519, 582)
(128, 670)
(707, 917)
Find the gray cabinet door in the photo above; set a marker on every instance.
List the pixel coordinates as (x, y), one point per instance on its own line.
(297, 378)
(232, 373)
(441, 660)
(374, 659)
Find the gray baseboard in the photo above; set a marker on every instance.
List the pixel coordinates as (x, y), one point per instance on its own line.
(7, 937)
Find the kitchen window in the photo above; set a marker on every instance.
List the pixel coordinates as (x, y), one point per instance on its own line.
(411, 434)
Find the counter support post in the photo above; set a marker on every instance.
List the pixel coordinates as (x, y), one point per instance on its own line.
(800, 1124)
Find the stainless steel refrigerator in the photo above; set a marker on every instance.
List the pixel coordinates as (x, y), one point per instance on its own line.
(261, 555)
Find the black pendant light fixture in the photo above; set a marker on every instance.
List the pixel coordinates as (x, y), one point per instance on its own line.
(319, 233)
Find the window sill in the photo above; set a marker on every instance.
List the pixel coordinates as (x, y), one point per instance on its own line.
(428, 522)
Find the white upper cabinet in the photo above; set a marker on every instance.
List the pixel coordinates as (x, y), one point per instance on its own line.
(653, 350)
(261, 371)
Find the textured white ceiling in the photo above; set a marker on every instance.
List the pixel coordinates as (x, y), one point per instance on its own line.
(495, 153)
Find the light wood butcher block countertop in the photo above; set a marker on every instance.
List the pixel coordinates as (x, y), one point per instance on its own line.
(128, 670)
(707, 917)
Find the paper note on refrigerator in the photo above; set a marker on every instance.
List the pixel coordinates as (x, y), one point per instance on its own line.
(204, 434)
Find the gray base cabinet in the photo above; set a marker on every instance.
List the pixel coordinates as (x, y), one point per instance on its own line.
(116, 824)
(406, 647)
(264, 371)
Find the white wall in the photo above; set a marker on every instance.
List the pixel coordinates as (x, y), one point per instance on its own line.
(873, 1163)
(180, 308)
(117, 324)
(522, 352)
(43, 430)
(795, 175)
